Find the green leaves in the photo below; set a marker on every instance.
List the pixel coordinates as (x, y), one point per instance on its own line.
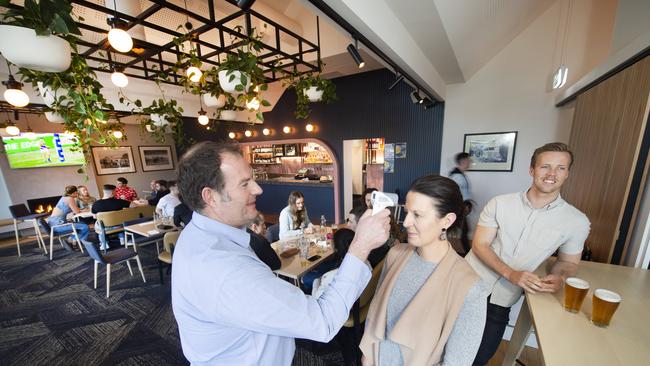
(46, 17)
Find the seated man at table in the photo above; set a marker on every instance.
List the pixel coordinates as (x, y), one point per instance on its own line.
(106, 204)
(260, 245)
(517, 232)
(230, 307)
(167, 203)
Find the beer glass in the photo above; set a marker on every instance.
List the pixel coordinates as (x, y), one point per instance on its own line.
(605, 303)
(304, 252)
(575, 290)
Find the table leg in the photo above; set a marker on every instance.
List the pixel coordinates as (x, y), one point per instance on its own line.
(519, 335)
(17, 236)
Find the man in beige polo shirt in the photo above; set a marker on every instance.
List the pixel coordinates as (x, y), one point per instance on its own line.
(517, 232)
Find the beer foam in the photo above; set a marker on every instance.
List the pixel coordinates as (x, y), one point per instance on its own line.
(607, 295)
(577, 282)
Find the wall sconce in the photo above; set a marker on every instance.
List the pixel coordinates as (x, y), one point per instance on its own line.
(286, 129)
(309, 127)
(248, 133)
(232, 135)
(266, 132)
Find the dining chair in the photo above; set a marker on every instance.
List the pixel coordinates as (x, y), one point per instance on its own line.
(169, 242)
(111, 258)
(45, 226)
(273, 233)
(20, 213)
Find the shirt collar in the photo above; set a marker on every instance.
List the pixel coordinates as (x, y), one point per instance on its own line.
(555, 203)
(238, 236)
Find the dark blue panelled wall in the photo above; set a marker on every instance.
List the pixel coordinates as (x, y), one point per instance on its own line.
(365, 109)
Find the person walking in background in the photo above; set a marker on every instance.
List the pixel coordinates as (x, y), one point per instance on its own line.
(294, 218)
(517, 232)
(458, 175)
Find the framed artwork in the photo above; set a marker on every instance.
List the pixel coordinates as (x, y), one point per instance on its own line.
(290, 150)
(113, 160)
(156, 158)
(491, 152)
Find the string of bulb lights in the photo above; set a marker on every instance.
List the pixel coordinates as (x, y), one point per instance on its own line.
(310, 127)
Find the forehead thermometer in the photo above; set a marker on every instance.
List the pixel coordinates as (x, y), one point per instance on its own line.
(381, 200)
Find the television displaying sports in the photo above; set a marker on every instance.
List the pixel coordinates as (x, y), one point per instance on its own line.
(43, 150)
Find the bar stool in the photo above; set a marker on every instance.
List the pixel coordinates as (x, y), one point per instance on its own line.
(21, 214)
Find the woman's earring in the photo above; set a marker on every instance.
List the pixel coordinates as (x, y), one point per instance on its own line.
(443, 234)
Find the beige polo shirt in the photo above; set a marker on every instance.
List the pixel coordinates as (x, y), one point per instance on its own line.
(525, 238)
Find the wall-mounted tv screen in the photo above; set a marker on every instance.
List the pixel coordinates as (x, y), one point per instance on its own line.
(43, 150)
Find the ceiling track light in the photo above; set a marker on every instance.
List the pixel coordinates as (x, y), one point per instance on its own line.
(14, 94)
(353, 49)
(399, 78)
(415, 96)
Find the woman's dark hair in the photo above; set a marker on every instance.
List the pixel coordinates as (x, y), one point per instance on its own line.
(70, 190)
(297, 217)
(200, 167)
(122, 180)
(444, 194)
(342, 240)
(358, 211)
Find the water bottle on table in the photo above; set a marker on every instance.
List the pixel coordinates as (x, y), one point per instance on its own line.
(323, 225)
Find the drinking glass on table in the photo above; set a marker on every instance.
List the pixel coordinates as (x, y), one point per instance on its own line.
(604, 305)
(575, 290)
(304, 251)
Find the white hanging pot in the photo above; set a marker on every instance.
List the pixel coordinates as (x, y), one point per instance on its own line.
(23, 48)
(314, 94)
(227, 115)
(229, 86)
(49, 95)
(212, 101)
(54, 117)
(159, 120)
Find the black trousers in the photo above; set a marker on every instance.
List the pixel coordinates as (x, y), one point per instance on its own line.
(495, 325)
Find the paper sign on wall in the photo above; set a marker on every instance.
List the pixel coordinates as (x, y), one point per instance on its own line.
(400, 150)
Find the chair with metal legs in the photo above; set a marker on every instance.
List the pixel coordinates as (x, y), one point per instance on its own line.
(112, 257)
(50, 230)
(20, 213)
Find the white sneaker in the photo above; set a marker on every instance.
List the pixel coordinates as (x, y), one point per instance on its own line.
(103, 247)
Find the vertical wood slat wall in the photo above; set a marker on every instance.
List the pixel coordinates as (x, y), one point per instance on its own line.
(608, 124)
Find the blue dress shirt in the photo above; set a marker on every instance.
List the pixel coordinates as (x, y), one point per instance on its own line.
(232, 310)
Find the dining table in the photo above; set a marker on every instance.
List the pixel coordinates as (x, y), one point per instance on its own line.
(294, 267)
(566, 338)
(147, 229)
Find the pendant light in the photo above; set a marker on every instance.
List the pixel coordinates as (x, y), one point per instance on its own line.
(12, 129)
(118, 78)
(118, 38)
(194, 74)
(253, 104)
(203, 115)
(118, 134)
(14, 94)
(561, 73)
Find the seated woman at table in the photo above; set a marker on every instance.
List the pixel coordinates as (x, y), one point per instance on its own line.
(84, 200)
(261, 246)
(294, 218)
(429, 307)
(65, 206)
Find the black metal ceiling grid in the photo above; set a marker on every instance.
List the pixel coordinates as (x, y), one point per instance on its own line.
(147, 59)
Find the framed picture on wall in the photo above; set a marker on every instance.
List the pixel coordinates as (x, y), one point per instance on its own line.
(291, 150)
(491, 152)
(156, 158)
(113, 160)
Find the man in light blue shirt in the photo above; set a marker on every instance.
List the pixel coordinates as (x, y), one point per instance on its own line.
(230, 308)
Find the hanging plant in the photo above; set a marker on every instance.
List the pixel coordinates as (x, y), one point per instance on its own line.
(78, 101)
(44, 27)
(160, 117)
(311, 88)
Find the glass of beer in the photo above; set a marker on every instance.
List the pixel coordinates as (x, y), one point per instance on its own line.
(334, 229)
(605, 303)
(575, 290)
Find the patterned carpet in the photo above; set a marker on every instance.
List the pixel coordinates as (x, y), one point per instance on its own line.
(51, 315)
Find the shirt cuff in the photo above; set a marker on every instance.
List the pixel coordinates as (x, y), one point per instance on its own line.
(352, 268)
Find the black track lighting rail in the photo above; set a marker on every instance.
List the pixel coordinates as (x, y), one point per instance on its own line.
(147, 59)
(329, 12)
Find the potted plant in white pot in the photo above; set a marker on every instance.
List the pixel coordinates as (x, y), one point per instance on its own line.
(43, 27)
(309, 89)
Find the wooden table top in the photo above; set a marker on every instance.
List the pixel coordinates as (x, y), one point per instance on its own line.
(293, 267)
(570, 339)
(147, 229)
